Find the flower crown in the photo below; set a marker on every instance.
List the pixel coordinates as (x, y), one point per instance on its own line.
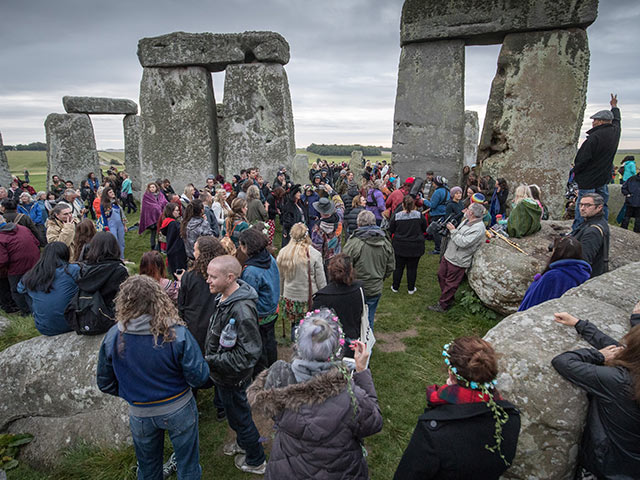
(473, 385)
(334, 318)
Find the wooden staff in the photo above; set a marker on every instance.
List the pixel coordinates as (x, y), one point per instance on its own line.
(507, 240)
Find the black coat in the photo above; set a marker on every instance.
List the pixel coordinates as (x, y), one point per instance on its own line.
(196, 305)
(105, 277)
(176, 253)
(352, 219)
(408, 231)
(594, 160)
(611, 440)
(593, 234)
(291, 214)
(346, 301)
(449, 443)
(631, 191)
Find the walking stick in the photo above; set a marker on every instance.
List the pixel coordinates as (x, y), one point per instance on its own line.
(507, 240)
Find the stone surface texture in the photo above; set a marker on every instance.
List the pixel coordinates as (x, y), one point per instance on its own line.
(132, 154)
(178, 126)
(500, 275)
(616, 200)
(257, 129)
(4, 324)
(300, 169)
(355, 164)
(481, 22)
(213, 51)
(49, 389)
(71, 147)
(428, 124)
(5, 173)
(471, 134)
(553, 411)
(100, 105)
(535, 111)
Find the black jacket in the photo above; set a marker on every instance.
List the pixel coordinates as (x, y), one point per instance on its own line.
(594, 160)
(593, 234)
(631, 191)
(611, 440)
(346, 301)
(233, 367)
(106, 277)
(408, 231)
(291, 214)
(449, 443)
(196, 305)
(352, 219)
(176, 253)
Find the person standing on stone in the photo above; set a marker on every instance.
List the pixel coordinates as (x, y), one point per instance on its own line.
(610, 374)
(631, 191)
(594, 159)
(593, 233)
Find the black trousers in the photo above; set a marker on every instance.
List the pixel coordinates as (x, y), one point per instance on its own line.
(412, 271)
(631, 212)
(6, 299)
(269, 348)
(18, 298)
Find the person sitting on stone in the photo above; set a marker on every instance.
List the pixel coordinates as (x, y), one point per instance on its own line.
(566, 269)
(610, 374)
(467, 430)
(61, 226)
(525, 217)
(9, 210)
(593, 233)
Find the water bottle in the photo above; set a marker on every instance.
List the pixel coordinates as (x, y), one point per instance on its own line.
(229, 335)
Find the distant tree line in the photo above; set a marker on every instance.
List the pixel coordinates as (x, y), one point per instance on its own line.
(38, 146)
(323, 149)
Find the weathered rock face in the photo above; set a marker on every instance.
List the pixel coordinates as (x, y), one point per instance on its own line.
(553, 411)
(428, 124)
(535, 111)
(300, 169)
(257, 129)
(213, 51)
(179, 125)
(132, 126)
(100, 105)
(500, 275)
(71, 146)
(5, 174)
(616, 200)
(355, 164)
(471, 134)
(481, 22)
(49, 390)
(4, 324)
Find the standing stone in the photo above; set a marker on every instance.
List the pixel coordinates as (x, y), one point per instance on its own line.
(471, 134)
(100, 105)
(258, 120)
(300, 169)
(428, 125)
(71, 147)
(535, 111)
(132, 162)
(178, 134)
(5, 173)
(355, 164)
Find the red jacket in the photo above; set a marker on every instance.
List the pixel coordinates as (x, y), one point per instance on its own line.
(19, 250)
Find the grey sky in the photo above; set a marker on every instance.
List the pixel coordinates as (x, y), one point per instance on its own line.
(342, 73)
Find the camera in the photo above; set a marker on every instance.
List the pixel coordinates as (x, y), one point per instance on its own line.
(440, 226)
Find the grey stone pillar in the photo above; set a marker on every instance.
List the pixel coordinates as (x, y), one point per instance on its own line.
(428, 124)
(71, 147)
(535, 111)
(178, 128)
(5, 174)
(471, 134)
(300, 169)
(132, 163)
(258, 120)
(355, 165)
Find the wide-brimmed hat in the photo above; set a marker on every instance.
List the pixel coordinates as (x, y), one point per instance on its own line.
(324, 206)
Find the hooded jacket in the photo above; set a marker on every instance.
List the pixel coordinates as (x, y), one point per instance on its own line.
(372, 257)
(631, 191)
(346, 301)
(375, 202)
(176, 251)
(561, 276)
(319, 431)
(105, 277)
(524, 219)
(438, 202)
(629, 170)
(196, 228)
(234, 367)
(19, 250)
(261, 272)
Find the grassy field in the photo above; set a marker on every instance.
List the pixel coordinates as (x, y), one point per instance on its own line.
(313, 157)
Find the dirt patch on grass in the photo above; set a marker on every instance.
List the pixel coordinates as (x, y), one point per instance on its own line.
(392, 342)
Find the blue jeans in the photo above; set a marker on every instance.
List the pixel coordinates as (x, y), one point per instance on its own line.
(372, 302)
(148, 440)
(603, 191)
(236, 406)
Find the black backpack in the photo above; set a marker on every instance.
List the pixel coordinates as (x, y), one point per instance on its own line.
(87, 314)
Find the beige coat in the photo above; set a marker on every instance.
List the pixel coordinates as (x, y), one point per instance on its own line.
(296, 288)
(58, 231)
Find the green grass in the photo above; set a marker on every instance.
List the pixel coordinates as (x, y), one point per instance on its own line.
(313, 157)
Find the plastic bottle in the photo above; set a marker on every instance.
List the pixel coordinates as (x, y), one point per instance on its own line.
(229, 335)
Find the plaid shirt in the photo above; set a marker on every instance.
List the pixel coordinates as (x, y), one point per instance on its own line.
(456, 395)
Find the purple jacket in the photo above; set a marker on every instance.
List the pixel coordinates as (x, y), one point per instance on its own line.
(151, 209)
(375, 202)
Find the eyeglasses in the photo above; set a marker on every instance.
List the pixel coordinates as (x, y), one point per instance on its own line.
(585, 205)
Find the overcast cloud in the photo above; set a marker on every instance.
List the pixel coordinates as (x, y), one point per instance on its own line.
(342, 73)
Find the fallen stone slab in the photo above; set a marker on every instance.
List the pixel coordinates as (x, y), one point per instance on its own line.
(100, 105)
(482, 22)
(214, 51)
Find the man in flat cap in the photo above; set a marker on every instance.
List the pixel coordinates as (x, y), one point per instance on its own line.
(594, 159)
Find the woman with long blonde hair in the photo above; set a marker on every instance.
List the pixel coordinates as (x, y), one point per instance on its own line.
(301, 275)
(150, 359)
(220, 207)
(237, 221)
(524, 219)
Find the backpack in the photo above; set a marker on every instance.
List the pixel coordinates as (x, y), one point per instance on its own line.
(87, 314)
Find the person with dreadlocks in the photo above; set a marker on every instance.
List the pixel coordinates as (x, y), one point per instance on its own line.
(467, 430)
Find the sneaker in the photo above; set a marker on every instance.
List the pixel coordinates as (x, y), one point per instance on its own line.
(394, 290)
(241, 463)
(435, 252)
(411, 292)
(231, 449)
(436, 308)
(169, 467)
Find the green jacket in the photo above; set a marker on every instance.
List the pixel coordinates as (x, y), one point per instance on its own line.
(524, 219)
(372, 256)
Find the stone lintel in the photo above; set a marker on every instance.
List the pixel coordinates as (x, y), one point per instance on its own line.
(100, 105)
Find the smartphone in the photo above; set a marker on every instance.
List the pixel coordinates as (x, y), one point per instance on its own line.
(180, 271)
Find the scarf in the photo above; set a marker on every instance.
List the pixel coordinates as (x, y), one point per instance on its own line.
(304, 370)
(456, 395)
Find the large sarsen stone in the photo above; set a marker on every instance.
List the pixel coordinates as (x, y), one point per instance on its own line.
(5, 174)
(100, 105)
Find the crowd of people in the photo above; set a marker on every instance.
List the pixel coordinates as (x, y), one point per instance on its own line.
(202, 311)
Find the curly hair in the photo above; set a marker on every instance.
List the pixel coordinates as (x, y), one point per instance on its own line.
(140, 295)
(209, 248)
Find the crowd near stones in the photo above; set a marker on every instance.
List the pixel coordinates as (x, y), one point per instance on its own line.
(214, 184)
